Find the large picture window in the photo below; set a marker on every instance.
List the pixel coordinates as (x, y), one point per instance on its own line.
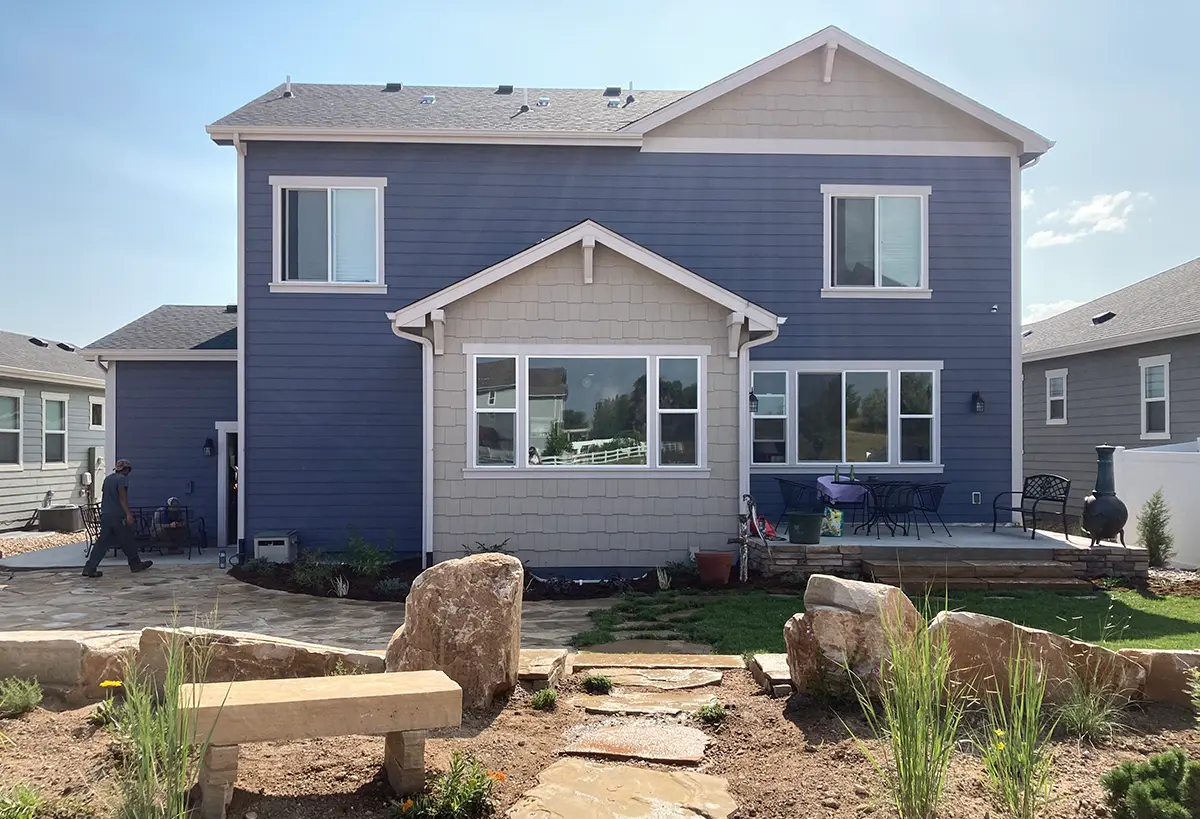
(875, 241)
(587, 411)
(868, 413)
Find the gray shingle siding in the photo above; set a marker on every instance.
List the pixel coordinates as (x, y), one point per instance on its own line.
(1103, 406)
(165, 410)
(333, 416)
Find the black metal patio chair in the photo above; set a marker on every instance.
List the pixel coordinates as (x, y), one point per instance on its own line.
(798, 497)
(1051, 490)
(898, 506)
(929, 501)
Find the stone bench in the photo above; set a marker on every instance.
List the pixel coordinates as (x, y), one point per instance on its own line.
(400, 706)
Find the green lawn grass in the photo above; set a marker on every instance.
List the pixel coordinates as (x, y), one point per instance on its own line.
(739, 622)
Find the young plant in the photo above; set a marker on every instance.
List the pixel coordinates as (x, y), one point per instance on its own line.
(311, 572)
(481, 548)
(1165, 786)
(341, 586)
(391, 588)
(712, 714)
(597, 684)
(915, 715)
(108, 712)
(1154, 530)
(1015, 748)
(464, 791)
(21, 802)
(363, 559)
(1193, 688)
(18, 696)
(1091, 708)
(664, 579)
(544, 700)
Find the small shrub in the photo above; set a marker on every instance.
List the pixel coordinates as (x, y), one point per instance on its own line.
(18, 696)
(1165, 786)
(1090, 709)
(311, 572)
(260, 565)
(1015, 753)
(684, 571)
(21, 802)
(363, 559)
(340, 585)
(544, 700)
(1193, 687)
(713, 714)
(1154, 530)
(464, 791)
(391, 588)
(597, 684)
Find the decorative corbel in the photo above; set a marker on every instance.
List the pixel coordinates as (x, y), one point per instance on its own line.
(589, 246)
(735, 333)
(830, 50)
(438, 317)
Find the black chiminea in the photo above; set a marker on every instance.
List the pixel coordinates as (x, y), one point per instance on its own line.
(1104, 514)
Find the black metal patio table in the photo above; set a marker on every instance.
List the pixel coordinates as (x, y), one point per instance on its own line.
(877, 512)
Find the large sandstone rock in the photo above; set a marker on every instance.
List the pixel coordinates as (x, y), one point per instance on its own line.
(1167, 673)
(982, 647)
(463, 617)
(845, 625)
(239, 655)
(69, 663)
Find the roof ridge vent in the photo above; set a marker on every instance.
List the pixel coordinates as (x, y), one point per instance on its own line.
(543, 102)
(612, 91)
(393, 87)
(62, 345)
(428, 99)
(37, 342)
(504, 89)
(231, 308)
(1027, 334)
(1100, 318)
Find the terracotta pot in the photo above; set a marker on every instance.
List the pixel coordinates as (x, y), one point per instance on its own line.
(714, 567)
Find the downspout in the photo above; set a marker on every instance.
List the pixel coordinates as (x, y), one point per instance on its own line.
(744, 408)
(426, 442)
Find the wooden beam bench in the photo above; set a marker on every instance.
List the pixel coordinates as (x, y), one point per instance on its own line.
(400, 706)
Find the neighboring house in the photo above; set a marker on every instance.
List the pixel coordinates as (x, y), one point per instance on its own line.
(1122, 370)
(52, 423)
(827, 235)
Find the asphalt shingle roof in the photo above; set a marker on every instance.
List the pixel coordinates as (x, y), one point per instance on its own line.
(1172, 297)
(16, 350)
(454, 108)
(176, 327)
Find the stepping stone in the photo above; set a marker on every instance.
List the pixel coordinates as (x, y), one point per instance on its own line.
(663, 679)
(645, 702)
(645, 739)
(771, 673)
(577, 788)
(542, 667)
(600, 659)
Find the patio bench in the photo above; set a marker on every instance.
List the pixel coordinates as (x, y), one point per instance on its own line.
(401, 706)
(1052, 490)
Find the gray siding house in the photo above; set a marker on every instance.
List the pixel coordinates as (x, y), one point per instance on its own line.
(1123, 370)
(52, 424)
(545, 315)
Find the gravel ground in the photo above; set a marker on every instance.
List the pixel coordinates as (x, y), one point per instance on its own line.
(19, 543)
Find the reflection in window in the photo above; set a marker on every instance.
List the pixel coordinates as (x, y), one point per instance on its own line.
(586, 411)
(495, 411)
(770, 421)
(866, 417)
(819, 417)
(916, 417)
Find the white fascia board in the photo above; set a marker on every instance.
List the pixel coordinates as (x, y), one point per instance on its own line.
(292, 134)
(1030, 141)
(160, 355)
(414, 314)
(54, 378)
(1186, 328)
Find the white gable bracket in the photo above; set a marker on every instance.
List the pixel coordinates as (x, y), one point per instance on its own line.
(589, 246)
(830, 51)
(438, 317)
(735, 322)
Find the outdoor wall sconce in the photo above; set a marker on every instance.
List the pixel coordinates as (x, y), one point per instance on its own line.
(977, 404)
(209, 450)
(753, 403)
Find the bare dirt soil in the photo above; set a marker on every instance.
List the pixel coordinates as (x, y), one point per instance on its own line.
(783, 759)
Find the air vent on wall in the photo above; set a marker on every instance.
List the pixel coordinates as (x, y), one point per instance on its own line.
(1103, 317)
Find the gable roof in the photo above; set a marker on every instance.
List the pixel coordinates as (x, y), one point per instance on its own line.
(40, 359)
(414, 314)
(1162, 306)
(1032, 143)
(174, 331)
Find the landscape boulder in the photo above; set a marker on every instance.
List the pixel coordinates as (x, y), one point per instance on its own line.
(982, 647)
(463, 617)
(71, 664)
(845, 626)
(240, 655)
(1167, 673)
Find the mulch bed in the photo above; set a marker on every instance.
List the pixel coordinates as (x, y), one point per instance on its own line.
(782, 758)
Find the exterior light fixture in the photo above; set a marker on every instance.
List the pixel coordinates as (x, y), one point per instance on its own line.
(209, 450)
(977, 404)
(754, 403)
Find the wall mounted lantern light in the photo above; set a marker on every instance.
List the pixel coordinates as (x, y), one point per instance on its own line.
(209, 450)
(977, 404)
(753, 403)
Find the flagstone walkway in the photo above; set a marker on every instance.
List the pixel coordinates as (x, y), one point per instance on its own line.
(119, 600)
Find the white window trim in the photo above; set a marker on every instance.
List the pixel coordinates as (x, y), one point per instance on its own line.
(20, 430)
(933, 416)
(754, 416)
(1050, 376)
(280, 183)
(893, 369)
(65, 431)
(1163, 361)
(523, 352)
(94, 400)
(828, 290)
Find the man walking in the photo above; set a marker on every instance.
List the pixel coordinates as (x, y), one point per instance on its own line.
(116, 523)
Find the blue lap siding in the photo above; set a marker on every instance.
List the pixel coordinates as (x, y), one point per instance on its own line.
(333, 406)
(165, 410)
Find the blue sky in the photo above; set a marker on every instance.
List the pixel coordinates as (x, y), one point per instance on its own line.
(118, 202)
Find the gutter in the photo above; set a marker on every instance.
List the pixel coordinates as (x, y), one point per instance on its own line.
(21, 373)
(1185, 328)
(235, 134)
(744, 432)
(426, 442)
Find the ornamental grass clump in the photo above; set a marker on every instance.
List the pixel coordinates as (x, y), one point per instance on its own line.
(1015, 746)
(915, 715)
(18, 696)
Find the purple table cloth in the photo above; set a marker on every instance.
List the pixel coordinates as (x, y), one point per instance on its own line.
(841, 492)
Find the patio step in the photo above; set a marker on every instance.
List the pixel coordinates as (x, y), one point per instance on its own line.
(985, 575)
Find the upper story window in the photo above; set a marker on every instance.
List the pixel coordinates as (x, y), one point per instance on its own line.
(876, 241)
(10, 428)
(1156, 397)
(1056, 396)
(96, 413)
(328, 234)
(54, 429)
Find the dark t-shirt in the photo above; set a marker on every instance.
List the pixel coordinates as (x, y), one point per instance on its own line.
(110, 497)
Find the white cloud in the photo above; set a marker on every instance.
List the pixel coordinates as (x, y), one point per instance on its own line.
(1037, 312)
(1103, 213)
(1026, 199)
(1048, 238)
